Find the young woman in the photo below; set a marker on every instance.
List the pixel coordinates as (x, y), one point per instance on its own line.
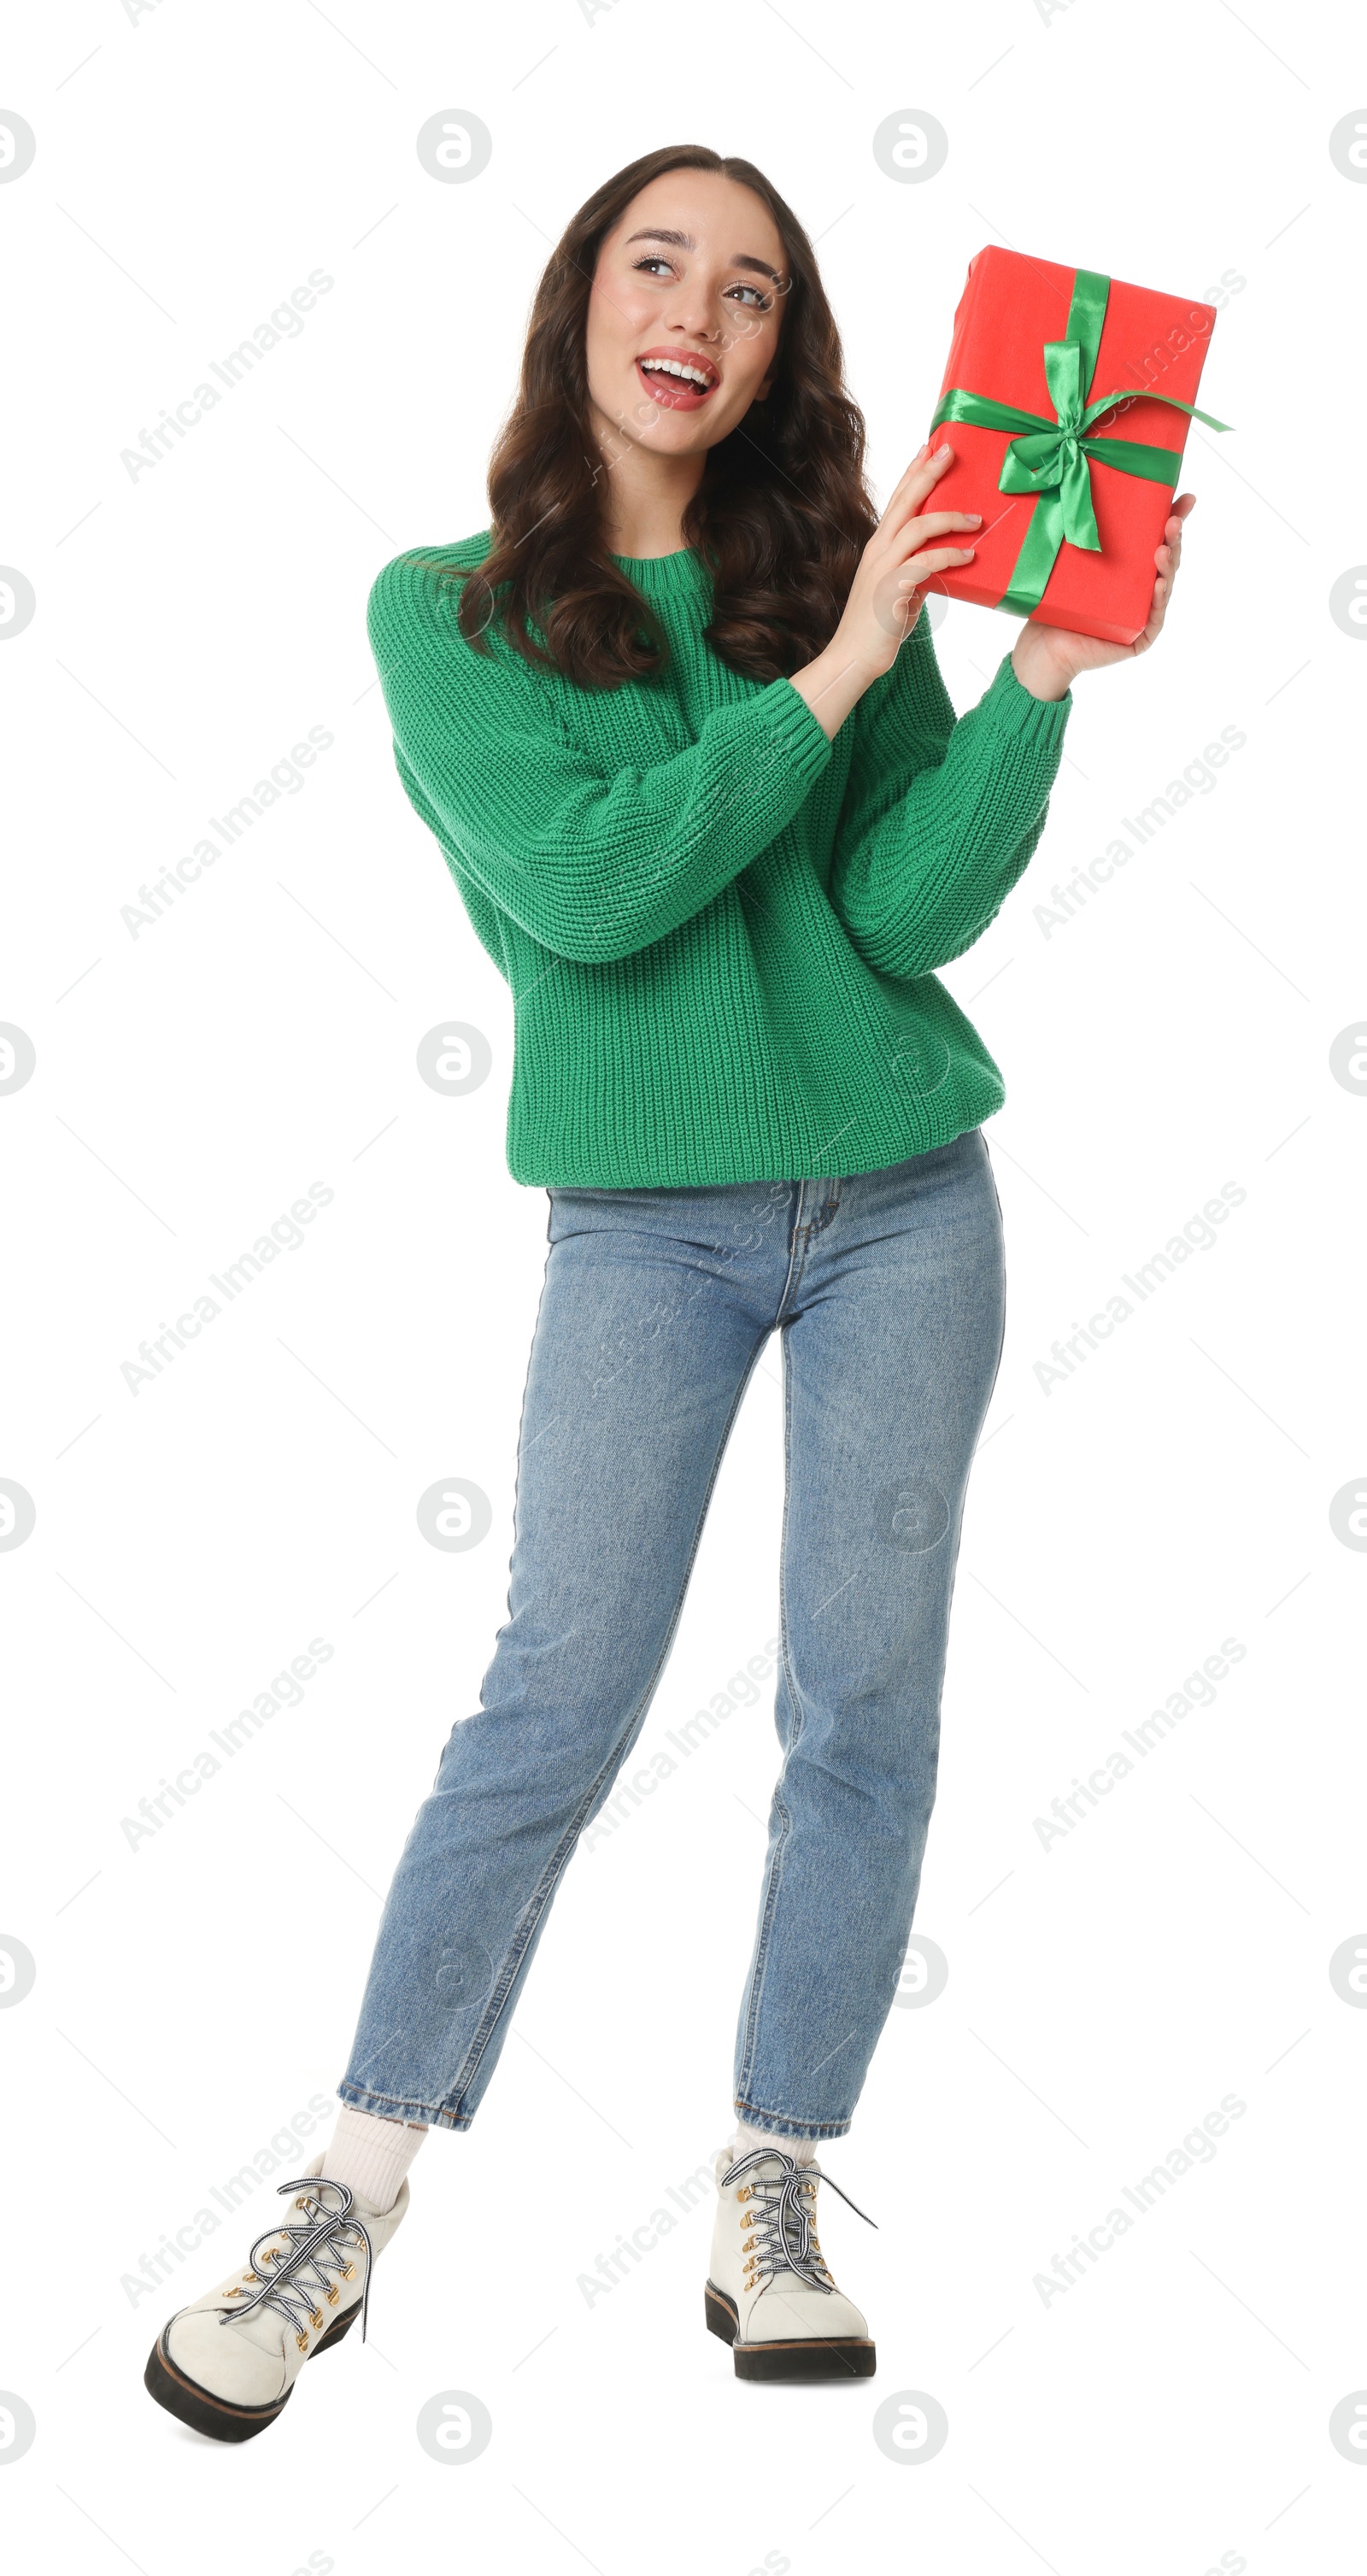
(675, 721)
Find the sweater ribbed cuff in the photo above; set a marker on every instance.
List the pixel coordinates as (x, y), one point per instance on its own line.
(795, 729)
(1038, 721)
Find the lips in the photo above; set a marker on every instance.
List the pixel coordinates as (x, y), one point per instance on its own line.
(676, 393)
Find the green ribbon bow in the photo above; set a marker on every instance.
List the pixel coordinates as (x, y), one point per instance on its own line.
(1054, 458)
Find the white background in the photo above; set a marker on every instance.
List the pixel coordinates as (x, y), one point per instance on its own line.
(1171, 2408)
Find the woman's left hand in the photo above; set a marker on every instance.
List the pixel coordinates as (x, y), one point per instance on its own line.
(1046, 659)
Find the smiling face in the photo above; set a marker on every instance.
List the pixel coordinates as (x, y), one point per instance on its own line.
(684, 315)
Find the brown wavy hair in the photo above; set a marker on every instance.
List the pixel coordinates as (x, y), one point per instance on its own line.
(780, 517)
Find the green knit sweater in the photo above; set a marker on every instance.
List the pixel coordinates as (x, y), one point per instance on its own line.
(718, 927)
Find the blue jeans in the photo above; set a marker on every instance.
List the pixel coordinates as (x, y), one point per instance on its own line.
(888, 1291)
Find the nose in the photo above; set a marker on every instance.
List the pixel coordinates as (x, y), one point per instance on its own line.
(692, 315)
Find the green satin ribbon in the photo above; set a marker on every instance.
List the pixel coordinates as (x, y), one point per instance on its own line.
(1054, 458)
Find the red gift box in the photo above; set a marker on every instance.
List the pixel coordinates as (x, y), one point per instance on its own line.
(1045, 346)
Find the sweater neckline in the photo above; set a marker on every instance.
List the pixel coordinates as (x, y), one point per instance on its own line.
(660, 572)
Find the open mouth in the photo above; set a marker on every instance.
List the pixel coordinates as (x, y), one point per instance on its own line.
(676, 383)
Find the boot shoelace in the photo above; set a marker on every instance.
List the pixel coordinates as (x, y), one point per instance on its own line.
(781, 2237)
(319, 2246)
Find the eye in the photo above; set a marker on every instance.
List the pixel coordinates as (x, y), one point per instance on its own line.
(656, 260)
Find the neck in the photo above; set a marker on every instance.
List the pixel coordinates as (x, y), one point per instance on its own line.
(644, 495)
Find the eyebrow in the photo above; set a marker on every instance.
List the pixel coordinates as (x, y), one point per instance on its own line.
(685, 241)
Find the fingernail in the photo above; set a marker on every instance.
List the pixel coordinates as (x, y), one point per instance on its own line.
(974, 518)
(920, 452)
(941, 453)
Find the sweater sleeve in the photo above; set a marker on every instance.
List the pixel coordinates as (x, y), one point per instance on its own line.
(940, 815)
(592, 862)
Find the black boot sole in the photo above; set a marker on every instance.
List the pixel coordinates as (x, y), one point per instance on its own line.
(206, 2413)
(806, 2357)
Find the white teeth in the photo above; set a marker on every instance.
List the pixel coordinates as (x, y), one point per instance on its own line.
(672, 367)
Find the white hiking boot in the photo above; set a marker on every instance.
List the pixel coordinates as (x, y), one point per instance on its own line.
(769, 2292)
(228, 2363)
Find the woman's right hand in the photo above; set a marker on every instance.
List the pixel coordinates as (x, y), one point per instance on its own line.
(903, 553)
(885, 596)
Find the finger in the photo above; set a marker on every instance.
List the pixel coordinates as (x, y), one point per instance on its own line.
(1171, 541)
(1172, 527)
(914, 490)
(919, 480)
(933, 457)
(938, 559)
(934, 523)
(1157, 611)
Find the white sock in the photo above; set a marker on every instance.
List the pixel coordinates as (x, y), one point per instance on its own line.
(802, 2150)
(372, 2153)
